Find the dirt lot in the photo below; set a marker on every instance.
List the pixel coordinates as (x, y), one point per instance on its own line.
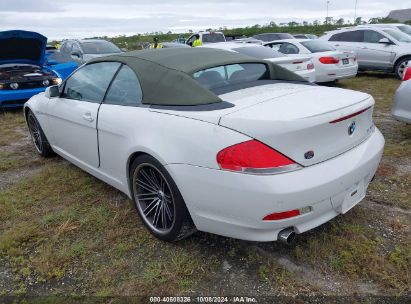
(63, 232)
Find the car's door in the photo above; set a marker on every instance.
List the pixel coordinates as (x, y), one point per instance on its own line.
(120, 112)
(349, 41)
(73, 116)
(374, 54)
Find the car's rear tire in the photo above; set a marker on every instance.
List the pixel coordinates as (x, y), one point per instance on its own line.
(37, 136)
(400, 66)
(158, 200)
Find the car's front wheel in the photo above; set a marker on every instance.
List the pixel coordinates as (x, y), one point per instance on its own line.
(158, 200)
(37, 135)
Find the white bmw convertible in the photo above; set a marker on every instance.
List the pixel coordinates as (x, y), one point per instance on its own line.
(209, 140)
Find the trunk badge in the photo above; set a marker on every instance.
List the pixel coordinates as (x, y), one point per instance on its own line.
(309, 154)
(351, 128)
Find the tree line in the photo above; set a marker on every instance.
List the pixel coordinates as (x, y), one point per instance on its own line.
(316, 27)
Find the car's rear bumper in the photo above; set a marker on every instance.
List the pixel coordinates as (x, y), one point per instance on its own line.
(332, 73)
(233, 204)
(401, 108)
(17, 98)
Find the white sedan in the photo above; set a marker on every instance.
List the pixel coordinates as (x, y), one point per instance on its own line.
(302, 65)
(204, 139)
(330, 64)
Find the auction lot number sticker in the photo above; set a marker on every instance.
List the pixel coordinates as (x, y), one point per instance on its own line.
(203, 299)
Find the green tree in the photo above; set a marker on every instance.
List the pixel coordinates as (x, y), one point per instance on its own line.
(382, 20)
(340, 21)
(358, 21)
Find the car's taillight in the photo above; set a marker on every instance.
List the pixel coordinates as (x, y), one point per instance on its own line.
(407, 74)
(355, 58)
(287, 214)
(310, 66)
(329, 60)
(254, 157)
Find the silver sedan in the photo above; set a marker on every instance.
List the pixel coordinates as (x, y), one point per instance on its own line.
(401, 109)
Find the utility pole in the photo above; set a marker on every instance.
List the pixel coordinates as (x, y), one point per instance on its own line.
(355, 11)
(326, 19)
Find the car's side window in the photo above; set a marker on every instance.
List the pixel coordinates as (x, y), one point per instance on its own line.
(76, 48)
(90, 83)
(372, 36)
(353, 36)
(276, 46)
(288, 48)
(66, 47)
(125, 89)
(335, 37)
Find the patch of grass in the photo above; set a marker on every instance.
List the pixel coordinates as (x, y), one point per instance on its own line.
(380, 85)
(274, 274)
(392, 190)
(351, 247)
(11, 127)
(62, 224)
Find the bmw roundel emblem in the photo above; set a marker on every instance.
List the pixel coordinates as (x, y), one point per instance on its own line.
(351, 128)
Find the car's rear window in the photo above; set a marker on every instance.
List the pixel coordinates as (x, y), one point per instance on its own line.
(316, 46)
(99, 47)
(259, 52)
(213, 37)
(226, 75)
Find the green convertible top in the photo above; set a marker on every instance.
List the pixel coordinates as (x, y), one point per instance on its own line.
(165, 75)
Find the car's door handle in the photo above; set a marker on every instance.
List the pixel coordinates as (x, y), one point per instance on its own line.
(336, 44)
(364, 47)
(87, 116)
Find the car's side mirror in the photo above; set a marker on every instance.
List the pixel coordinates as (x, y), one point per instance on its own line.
(52, 92)
(385, 41)
(76, 55)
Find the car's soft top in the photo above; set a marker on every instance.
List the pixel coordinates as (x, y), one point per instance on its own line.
(166, 78)
(22, 47)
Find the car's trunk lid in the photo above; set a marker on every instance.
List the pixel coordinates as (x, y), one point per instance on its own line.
(293, 64)
(22, 47)
(309, 125)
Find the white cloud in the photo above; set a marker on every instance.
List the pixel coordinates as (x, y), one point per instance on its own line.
(87, 18)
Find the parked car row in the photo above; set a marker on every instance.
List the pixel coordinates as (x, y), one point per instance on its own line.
(28, 64)
(381, 48)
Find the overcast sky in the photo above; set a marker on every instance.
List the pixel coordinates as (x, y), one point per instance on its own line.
(87, 18)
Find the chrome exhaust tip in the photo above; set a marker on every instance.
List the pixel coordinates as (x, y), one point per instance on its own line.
(286, 235)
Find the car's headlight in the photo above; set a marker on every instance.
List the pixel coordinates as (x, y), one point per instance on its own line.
(2, 86)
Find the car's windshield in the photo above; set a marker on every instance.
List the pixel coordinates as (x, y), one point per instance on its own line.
(316, 46)
(99, 47)
(213, 37)
(399, 36)
(405, 28)
(226, 75)
(259, 52)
